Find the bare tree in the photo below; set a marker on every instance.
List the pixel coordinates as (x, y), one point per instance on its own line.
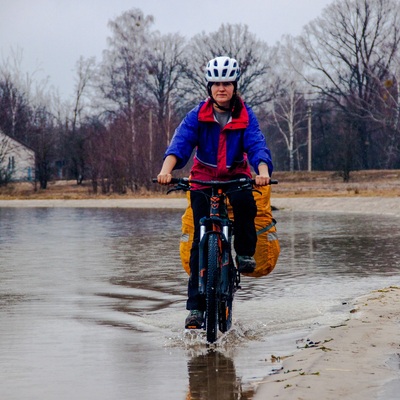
(85, 73)
(95, 151)
(289, 112)
(75, 134)
(289, 108)
(122, 74)
(123, 68)
(390, 142)
(350, 51)
(164, 66)
(14, 97)
(44, 140)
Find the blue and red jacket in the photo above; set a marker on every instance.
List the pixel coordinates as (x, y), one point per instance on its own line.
(221, 153)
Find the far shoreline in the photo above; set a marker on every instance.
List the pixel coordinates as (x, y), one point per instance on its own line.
(361, 205)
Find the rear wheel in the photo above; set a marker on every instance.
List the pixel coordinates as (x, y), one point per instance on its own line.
(214, 260)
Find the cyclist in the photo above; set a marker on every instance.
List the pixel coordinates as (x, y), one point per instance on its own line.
(227, 138)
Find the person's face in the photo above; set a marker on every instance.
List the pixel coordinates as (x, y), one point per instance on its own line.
(222, 92)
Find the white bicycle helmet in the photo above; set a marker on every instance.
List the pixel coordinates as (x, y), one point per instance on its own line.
(222, 69)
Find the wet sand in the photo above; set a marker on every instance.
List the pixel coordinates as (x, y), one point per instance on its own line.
(357, 359)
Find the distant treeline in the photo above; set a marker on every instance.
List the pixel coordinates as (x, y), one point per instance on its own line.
(326, 100)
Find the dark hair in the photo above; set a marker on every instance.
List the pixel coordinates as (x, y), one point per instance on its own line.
(236, 105)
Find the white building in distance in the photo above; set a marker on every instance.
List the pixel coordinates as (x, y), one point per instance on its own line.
(17, 161)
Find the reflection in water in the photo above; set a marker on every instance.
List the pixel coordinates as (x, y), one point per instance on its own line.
(212, 376)
(70, 279)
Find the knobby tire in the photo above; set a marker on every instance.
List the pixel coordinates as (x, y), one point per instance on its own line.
(214, 260)
(225, 304)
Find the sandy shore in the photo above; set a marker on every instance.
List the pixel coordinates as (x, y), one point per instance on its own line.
(358, 359)
(360, 205)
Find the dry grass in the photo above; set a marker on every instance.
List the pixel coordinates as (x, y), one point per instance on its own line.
(297, 184)
(322, 184)
(67, 190)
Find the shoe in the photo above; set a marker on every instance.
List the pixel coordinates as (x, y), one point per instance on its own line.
(245, 264)
(194, 320)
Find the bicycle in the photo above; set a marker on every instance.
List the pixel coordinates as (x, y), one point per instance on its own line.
(219, 278)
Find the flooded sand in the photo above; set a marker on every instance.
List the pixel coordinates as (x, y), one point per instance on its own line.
(92, 302)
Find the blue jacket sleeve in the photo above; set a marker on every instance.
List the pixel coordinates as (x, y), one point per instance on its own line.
(255, 144)
(185, 139)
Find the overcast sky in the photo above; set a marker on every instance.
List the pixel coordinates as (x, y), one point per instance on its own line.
(53, 34)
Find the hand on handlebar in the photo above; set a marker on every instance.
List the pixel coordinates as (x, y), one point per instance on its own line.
(262, 180)
(164, 179)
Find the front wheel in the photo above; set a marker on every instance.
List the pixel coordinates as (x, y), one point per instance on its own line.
(225, 304)
(213, 264)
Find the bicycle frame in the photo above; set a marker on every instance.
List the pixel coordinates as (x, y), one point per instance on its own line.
(219, 224)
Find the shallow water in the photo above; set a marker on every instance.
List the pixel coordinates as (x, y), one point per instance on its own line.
(92, 302)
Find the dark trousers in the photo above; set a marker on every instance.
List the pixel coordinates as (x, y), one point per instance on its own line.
(244, 211)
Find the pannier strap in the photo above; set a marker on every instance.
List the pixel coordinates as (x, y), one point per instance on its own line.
(267, 228)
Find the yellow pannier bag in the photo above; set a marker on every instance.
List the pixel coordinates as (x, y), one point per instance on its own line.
(267, 249)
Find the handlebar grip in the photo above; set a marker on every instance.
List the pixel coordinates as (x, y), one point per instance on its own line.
(271, 182)
(173, 181)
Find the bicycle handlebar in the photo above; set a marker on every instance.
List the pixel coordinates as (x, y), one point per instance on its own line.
(187, 181)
